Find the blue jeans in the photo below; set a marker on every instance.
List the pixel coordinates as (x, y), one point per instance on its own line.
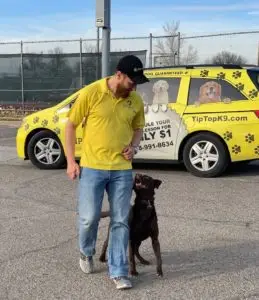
(118, 185)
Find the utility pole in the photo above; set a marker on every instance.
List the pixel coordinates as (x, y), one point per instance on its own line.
(98, 54)
(103, 20)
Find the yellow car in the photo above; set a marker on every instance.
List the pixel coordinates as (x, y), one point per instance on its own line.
(205, 116)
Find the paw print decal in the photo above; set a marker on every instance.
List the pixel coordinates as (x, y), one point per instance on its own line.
(253, 93)
(250, 138)
(257, 150)
(26, 127)
(44, 123)
(236, 149)
(204, 73)
(240, 86)
(228, 135)
(57, 130)
(237, 74)
(221, 75)
(36, 120)
(55, 119)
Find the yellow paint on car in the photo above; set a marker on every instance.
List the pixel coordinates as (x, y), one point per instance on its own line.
(179, 103)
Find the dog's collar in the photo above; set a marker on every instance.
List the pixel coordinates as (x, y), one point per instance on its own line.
(147, 199)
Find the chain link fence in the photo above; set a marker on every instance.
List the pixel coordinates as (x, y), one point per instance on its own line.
(243, 44)
(38, 74)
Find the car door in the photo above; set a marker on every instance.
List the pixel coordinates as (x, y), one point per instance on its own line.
(164, 108)
(222, 106)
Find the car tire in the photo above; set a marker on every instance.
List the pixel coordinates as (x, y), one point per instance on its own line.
(204, 155)
(45, 150)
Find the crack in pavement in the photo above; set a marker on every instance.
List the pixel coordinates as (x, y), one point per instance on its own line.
(37, 250)
(36, 216)
(46, 248)
(18, 197)
(226, 222)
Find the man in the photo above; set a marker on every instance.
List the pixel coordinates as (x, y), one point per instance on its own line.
(113, 115)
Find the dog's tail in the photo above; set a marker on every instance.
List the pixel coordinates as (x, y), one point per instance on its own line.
(105, 214)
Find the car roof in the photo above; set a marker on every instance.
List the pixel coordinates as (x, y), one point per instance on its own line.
(224, 66)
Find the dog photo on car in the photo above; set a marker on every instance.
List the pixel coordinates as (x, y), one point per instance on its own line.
(159, 91)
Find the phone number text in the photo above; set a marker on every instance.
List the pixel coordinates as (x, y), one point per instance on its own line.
(156, 145)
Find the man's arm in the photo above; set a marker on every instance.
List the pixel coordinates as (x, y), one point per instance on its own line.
(70, 136)
(73, 169)
(137, 137)
(78, 112)
(137, 125)
(131, 150)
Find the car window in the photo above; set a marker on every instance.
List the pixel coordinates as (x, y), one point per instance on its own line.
(213, 90)
(254, 76)
(68, 106)
(72, 101)
(159, 90)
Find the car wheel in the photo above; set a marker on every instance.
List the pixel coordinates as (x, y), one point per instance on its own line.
(45, 150)
(205, 155)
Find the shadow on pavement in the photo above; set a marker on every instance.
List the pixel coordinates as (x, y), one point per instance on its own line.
(235, 169)
(206, 262)
(243, 169)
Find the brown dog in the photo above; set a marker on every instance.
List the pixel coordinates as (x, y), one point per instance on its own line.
(143, 223)
(210, 92)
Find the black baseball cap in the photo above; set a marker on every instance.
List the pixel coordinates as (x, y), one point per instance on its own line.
(132, 66)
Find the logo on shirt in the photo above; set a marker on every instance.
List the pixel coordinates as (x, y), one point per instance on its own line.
(128, 104)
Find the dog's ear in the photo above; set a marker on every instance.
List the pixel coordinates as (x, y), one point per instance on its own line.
(157, 183)
(137, 175)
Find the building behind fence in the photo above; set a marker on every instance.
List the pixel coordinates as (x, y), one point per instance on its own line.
(42, 73)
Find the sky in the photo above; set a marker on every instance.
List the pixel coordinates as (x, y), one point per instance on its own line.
(63, 19)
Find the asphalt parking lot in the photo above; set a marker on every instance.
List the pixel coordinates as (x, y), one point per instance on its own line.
(209, 235)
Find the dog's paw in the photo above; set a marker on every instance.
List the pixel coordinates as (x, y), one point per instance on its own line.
(160, 273)
(134, 273)
(144, 262)
(102, 259)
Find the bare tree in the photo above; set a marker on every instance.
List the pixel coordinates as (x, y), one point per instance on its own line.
(226, 57)
(89, 66)
(89, 48)
(167, 48)
(33, 64)
(58, 62)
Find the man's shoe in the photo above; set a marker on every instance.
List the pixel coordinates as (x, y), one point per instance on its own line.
(122, 283)
(86, 263)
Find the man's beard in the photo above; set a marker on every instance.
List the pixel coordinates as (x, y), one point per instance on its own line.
(122, 92)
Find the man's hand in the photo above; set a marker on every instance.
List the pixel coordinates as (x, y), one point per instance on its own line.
(73, 170)
(128, 152)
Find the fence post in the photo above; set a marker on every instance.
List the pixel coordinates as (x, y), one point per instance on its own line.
(81, 64)
(178, 48)
(150, 50)
(22, 78)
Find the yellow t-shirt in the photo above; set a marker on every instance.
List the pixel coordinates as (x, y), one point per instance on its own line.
(109, 125)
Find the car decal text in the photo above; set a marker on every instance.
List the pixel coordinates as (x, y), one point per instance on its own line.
(222, 118)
